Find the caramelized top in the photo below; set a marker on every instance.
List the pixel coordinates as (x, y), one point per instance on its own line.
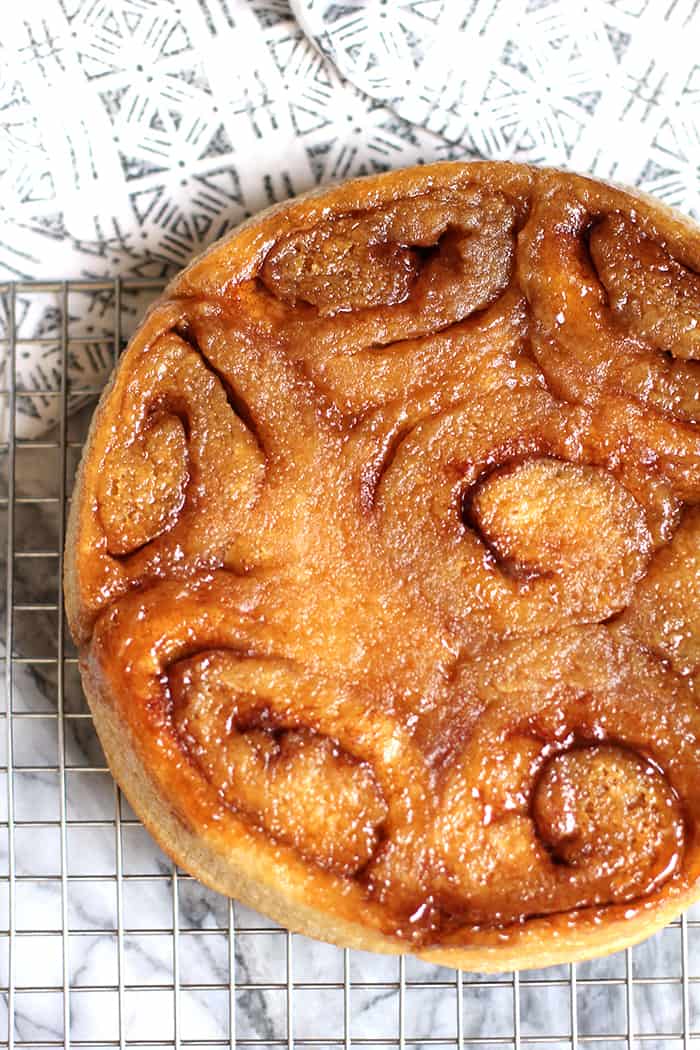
(387, 549)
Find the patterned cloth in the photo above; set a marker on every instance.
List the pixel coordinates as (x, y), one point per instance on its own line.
(610, 87)
(138, 131)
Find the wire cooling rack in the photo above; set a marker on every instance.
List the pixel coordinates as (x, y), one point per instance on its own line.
(104, 943)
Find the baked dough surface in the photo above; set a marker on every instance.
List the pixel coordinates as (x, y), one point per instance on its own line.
(384, 566)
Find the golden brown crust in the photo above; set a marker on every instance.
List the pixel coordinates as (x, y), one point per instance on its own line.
(352, 402)
(249, 881)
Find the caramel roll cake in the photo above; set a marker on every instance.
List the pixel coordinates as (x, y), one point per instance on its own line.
(384, 566)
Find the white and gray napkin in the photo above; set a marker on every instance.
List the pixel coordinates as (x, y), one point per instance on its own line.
(136, 134)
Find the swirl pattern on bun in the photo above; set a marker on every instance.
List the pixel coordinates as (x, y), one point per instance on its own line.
(384, 565)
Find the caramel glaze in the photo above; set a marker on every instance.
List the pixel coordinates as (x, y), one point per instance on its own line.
(386, 551)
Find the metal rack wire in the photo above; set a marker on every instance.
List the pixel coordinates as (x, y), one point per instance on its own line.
(102, 942)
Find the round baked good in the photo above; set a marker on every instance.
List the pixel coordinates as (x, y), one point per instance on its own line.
(384, 566)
